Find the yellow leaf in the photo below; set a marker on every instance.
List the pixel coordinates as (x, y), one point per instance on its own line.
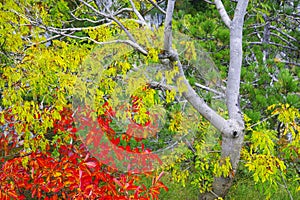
(57, 174)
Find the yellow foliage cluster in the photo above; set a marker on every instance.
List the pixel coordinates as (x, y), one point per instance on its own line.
(287, 115)
(223, 168)
(172, 164)
(262, 157)
(265, 167)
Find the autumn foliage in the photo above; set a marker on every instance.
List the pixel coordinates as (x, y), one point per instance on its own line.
(66, 170)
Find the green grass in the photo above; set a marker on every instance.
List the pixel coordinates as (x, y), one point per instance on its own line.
(242, 189)
(245, 189)
(177, 191)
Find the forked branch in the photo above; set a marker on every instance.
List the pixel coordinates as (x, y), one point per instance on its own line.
(190, 94)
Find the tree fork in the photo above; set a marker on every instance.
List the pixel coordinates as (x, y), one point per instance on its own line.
(232, 129)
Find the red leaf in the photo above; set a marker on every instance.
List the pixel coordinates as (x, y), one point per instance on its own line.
(117, 182)
(91, 164)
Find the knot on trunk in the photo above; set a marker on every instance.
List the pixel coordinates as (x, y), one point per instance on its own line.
(171, 55)
(233, 129)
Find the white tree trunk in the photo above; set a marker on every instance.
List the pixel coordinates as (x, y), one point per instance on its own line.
(232, 129)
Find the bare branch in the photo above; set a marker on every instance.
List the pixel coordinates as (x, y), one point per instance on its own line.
(283, 33)
(112, 18)
(275, 44)
(162, 85)
(94, 9)
(45, 41)
(86, 19)
(129, 42)
(210, 90)
(283, 39)
(157, 6)
(137, 13)
(101, 2)
(263, 120)
(116, 13)
(207, 1)
(150, 9)
(200, 105)
(76, 28)
(130, 36)
(290, 63)
(285, 186)
(63, 32)
(223, 12)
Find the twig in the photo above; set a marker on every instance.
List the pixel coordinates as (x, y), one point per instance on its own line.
(210, 90)
(262, 121)
(87, 19)
(285, 186)
(214, 194)
(275, 44)
(129, 42)
(283, 33)
(157, 6)
(162, 85)
(112, 17)
(283, 39)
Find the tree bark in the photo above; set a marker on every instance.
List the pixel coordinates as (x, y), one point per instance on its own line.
(232, 129)
(231, 146)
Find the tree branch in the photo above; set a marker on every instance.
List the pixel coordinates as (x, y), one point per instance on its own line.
(283, 33)
(120, 11)
(128, 42)
(45, 41)
(162, 85)
(207, 1)
(223, 12)
(236, 58)
(110, 17)
(137, 13)
(200, 105)
(284, 40)
(87, 19)
(224, 126)
(157, 6)
(275, 44)
(210, 90)
(168, 26)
